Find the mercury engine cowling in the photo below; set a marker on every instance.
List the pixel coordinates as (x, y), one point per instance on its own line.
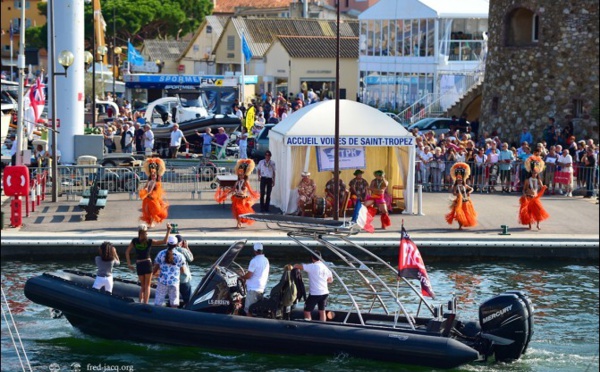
(507, 323)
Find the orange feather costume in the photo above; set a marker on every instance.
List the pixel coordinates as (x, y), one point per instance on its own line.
(531, 209)
(154, 207)
(242, 195)
(461, 209)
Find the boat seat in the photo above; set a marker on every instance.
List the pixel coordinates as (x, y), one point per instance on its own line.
(273, 307)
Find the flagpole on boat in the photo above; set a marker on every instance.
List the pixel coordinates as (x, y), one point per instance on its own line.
(336, 146)
(21, 68)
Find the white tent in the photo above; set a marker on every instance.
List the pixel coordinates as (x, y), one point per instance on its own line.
(422, 9)
(304, 141)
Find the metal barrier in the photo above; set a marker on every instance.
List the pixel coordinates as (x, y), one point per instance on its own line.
(200, 181)
(487, 177)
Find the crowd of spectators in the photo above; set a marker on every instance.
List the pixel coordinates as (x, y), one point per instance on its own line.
(496, 162)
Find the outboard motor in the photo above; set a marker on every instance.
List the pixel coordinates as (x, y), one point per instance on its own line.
(222, 293)
(507, 323)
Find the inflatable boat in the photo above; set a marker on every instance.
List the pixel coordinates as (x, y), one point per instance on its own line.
(372, 322)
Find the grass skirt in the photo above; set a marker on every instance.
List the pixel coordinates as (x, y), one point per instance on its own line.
(154, 207)
(531, 209)
(239, 205)
(463, 212)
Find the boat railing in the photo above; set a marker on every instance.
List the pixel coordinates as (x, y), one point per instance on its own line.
(324, 232)
(394, 270)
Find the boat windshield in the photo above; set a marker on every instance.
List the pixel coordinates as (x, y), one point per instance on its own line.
(191, 102)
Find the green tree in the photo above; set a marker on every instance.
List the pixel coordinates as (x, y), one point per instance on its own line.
(136, 20)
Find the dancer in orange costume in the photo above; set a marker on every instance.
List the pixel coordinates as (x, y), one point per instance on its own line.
(461, 209)
(531, 209)
(154, 207)
(377, 198)
(242, 195)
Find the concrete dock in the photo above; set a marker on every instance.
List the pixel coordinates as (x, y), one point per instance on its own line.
(58, 229)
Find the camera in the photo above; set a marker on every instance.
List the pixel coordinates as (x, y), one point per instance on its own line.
(174, 228)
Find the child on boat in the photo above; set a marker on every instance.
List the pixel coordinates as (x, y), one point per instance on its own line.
(105, 261)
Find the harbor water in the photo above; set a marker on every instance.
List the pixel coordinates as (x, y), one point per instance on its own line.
(565, 296)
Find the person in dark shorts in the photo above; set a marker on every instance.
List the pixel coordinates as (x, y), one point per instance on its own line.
(143, 263)
(319, 276)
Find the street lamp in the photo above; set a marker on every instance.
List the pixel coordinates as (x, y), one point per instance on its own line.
(66, 59)
(116, 55)
(160, 64)
(101, 50)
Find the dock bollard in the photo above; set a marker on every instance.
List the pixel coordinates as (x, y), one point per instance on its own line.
(504, 230)
(420, 200)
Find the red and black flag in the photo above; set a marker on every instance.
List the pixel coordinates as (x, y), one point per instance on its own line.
(411, 265)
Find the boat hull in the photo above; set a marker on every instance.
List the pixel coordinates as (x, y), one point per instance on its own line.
(190, 127)
(117, 316)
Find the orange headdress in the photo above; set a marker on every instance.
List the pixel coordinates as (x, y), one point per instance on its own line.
(244, 166)
(154, 165)
(460, 170)
(536, 163)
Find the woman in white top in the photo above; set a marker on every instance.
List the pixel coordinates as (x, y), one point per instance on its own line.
(105, 261)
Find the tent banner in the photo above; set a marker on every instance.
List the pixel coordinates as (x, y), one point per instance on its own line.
(349, 141)
(350, 158)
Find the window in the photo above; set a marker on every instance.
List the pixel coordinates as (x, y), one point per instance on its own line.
(495, 105)
(578, 108)
(209, 29)
(536, 28)
(521, 28)
(18, 4)
(230, 42)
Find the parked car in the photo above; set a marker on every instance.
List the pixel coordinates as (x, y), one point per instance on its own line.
(119, 180)
(397, 118)
(261, 143)
(113, 159)
(437, 125)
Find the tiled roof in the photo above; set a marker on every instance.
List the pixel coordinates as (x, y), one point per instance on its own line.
(261, 32)
(228, 6)
(165, 50)
(319, 47)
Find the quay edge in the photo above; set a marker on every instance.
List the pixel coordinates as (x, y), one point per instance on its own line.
(436, 249)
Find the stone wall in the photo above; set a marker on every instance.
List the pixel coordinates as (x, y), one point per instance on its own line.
(526, 84)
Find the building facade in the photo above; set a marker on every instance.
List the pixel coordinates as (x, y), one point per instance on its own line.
(420, 51)
(11, 29)
(260, 34)
(542, 62)
(301, 63)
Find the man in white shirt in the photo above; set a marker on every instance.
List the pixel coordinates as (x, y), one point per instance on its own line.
(565, 161)
(256, 277)
(176, 137)
(266, 175)
(148, 138)
(319, 276)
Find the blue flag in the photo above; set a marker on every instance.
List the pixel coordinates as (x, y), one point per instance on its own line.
(133, 56)
(246, 49)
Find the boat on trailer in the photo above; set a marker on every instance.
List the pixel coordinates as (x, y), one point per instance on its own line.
(371, 322)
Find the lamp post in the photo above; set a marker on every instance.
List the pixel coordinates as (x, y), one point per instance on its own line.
(160, 64)
(116, 56)
(66, 59)
(102, 50)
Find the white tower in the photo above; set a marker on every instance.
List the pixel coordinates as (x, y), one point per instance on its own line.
(70, 97)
